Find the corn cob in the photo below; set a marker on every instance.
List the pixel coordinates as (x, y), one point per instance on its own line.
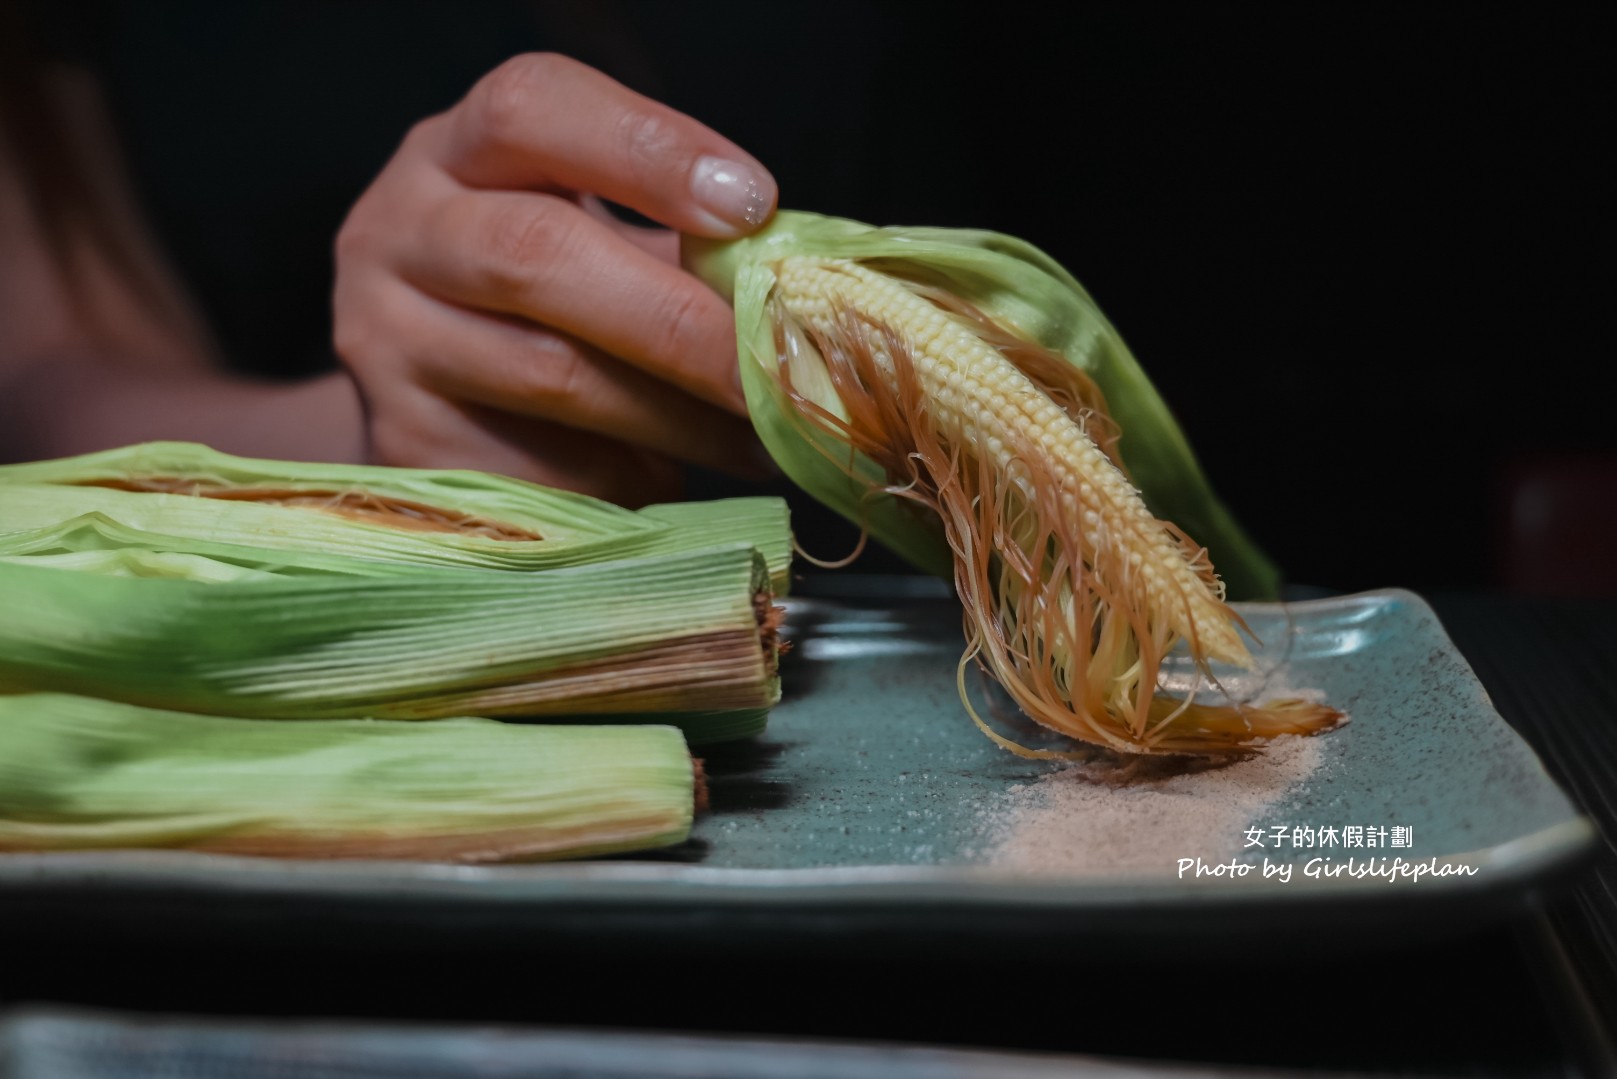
(78, 773)
(967, 374)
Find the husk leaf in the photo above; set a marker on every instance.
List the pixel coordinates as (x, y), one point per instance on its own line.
(676, 635)
(571, 529)
(77, 773)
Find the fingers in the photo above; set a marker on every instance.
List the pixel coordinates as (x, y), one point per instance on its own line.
(416, 428)
(516, 367)
(547, 261)
(661, 244)
(496, 315)
(543, 122)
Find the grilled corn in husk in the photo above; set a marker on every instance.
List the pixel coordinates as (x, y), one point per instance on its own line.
(77, 773)
(172, 576)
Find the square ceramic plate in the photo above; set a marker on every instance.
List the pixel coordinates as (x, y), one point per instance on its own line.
(872, 800)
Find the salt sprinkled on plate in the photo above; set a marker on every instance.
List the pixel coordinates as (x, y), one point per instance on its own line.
(1077, 821)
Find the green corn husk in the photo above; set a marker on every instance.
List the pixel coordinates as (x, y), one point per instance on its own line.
(83, 774)
(685, 637)
(760, 521)
(1019, 287)
(573, 528)
(96, 543)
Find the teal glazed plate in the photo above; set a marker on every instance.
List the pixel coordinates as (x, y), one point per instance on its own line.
(873, 807)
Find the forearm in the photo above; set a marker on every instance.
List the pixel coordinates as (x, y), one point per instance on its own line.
(100, 345)
(67, 404)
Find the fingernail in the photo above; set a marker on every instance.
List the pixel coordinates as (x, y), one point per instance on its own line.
(736, 197)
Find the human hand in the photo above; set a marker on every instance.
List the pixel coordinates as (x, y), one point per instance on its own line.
(495, 315)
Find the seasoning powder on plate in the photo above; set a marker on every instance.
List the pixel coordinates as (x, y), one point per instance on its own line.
(1081, 821)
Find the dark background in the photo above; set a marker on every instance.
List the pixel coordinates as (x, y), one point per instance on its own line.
(1359, 251)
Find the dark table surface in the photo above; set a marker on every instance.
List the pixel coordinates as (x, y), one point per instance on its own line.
(1531, 994)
